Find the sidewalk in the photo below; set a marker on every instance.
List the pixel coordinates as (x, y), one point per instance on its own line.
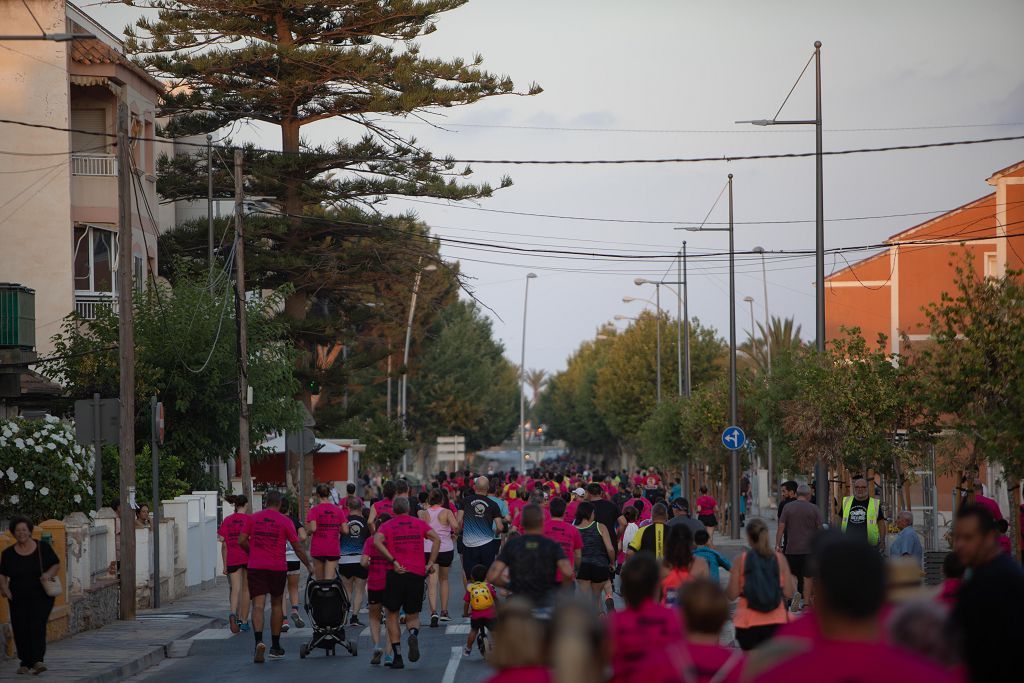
(122, 649)
(731, 548)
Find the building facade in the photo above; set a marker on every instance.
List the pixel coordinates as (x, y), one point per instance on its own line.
(59, 197)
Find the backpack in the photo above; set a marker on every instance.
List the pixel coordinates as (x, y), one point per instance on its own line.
(480, 597)
(761, 582)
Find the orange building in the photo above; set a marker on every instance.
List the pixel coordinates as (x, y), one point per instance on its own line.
(888, 292)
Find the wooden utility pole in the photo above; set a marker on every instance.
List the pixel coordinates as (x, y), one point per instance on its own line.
(126, 350)
(243, 339)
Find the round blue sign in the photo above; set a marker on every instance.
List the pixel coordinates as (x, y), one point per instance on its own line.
(733, 438)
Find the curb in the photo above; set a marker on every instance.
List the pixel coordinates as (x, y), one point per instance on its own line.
(158, 653)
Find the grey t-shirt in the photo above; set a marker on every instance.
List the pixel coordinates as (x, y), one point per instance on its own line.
(802, 520)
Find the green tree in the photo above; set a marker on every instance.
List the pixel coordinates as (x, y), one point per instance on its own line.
(783, 338)
(975, 370)
(465, 385)
(185, 353)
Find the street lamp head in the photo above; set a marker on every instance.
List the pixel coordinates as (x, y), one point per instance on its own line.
(628, 299)
(641, 281)
(817, 43)
(759, 122)
(622, 317)
(748, 299)
(758, 250)
(531, 276)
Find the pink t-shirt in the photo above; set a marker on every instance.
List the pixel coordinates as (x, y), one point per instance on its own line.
(489, 613)
(570, 508)
(326, 540)
(268, 530)
(378, 570)
(384, 507)
(230, 529)
(525, 674)
(403, 537)
(706, 505)
(634, 633)
(645, 507)
(567, 536)
(990, 505)
(704, 661)
(831, 661)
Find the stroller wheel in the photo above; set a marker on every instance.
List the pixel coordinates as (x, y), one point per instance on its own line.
(353, 649)
(303, 651)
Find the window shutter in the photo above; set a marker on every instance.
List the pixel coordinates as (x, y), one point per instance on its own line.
(93, 121)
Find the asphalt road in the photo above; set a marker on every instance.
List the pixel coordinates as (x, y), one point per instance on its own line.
(217, 655)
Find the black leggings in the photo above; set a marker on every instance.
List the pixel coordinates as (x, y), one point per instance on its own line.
(28, 620)
(749, 638)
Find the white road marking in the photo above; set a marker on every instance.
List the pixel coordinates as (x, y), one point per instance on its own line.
(453, 665)
(457, 630)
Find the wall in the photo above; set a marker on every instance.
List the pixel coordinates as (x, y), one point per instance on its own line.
(35, 227)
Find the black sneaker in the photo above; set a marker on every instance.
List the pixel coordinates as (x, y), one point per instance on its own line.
(284, 627)
(414, 648)
(260, 655)
(397, 663)
(375, 659)
(609, 604)
(297, 620)
(354, 621)
(434, 620)
(276, 653)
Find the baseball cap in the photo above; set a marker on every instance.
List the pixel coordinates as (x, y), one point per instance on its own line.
(681, 504)
(579, 492)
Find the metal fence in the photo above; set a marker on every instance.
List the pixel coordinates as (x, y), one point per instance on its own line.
(94, 164)
(87, 305)
(98, 550)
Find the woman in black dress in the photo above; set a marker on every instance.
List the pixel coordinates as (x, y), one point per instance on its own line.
(23, 567)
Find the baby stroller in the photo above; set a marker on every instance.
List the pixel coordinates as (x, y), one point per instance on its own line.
(328, 606)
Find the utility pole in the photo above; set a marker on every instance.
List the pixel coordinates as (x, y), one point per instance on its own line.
(734, 456)
(823, 492)
(155, 438)
(209, 204)
(126, 353)
(243, 338)
(686, 328)
(657, 305)
(679, 322)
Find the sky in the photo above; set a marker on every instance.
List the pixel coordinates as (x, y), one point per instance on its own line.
(637, 69)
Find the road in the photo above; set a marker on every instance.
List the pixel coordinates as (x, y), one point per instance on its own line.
(217, 655)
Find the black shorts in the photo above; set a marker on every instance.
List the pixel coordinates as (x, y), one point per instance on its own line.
(404, 592)
(483, 555)
(353, 570)
(799, 565)
(375, 597)
(232, 568)
(595, 573)
(486, 622)
(327, 558)
(267, 581)
(444, 559)
(294, 566)
(709, 521)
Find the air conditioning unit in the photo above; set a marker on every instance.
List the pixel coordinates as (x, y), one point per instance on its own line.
(17, 317)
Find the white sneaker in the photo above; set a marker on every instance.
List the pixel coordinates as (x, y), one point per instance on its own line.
(797, 603)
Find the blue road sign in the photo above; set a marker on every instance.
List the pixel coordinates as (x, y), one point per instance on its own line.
(733, 438)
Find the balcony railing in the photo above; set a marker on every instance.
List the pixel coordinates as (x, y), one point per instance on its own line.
(87, 304)
(94, 164)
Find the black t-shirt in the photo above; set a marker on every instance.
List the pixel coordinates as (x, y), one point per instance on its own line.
(606, 512)
(987, 615)
(24, 571)
(532, 562)
(857, 526)
(479, 513)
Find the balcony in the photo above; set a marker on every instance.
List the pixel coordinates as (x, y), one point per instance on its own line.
(93, 164)
(88, 304)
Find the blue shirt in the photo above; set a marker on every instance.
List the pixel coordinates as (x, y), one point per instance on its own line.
(714, 560)
(907, 543)
(676, 492)
(503, 506)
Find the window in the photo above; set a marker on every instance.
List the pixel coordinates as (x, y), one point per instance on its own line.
(992, 265)
(138, 274)
(93, 121)
(94, 259)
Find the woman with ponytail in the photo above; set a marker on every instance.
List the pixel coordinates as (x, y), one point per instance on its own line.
(235, 560)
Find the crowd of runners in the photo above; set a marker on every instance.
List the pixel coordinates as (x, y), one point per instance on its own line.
(574, 575)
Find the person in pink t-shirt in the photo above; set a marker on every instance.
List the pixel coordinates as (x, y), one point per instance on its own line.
(400, 541)
(849, 595)
(706, 506)
(563, 533)
(699, 658)
(376, 566)
(264, 538)
(642, 505)
(326, 523)
(643, 626)
(385, 506)
(235, 560)
(989, 504)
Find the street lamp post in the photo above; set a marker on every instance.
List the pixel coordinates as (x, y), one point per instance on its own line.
(820, 473)
(403, 389)
(522, 380)
(639, 282)
(750, 300)
(734, 460)
(768, 355)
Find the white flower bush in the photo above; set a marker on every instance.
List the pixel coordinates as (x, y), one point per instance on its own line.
(43, 471)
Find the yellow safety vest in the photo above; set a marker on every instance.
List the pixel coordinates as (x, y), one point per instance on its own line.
(872, 520)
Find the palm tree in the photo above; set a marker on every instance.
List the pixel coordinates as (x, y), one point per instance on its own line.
(783, 337)
(537, 379)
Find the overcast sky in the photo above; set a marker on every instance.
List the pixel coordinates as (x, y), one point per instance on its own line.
(687, 65)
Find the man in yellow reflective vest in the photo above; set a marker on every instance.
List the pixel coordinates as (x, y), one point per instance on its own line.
(862, 515)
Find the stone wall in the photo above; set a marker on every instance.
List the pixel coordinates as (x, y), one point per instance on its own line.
(96, 606)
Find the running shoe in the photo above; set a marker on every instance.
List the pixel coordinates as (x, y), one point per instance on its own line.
(261, 653)
(796, 604)
(609, 604)
(276, 653)
(297, 620)
(444, 617)
(389, 659)
(434, 620)
(467, 651)
(284, 627)
(414, 648)
(38, 668)
(377, 655)
(354, 621)
(397, 662)
(233, 622)
(244, 627)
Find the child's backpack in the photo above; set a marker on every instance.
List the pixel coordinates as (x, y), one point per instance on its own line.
(480, 597)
